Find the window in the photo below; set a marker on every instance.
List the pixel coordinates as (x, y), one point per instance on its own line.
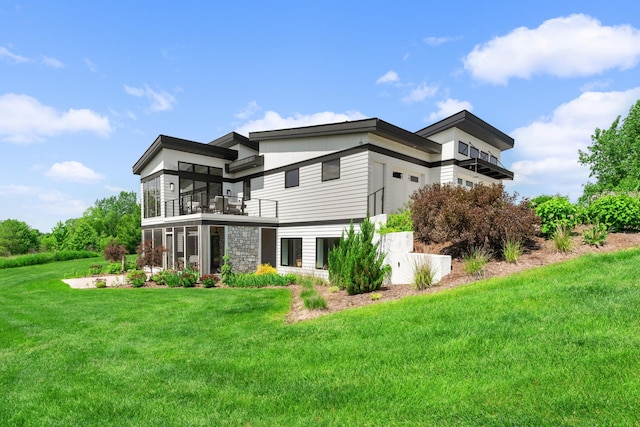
(324, 245)
(474, 153)
(463, 148)
(484, 156)
(291, 252)
(493, 160)
(413, 178)
(460, 181)
(397, 175)
(331, 169)
(292, 178)
(469, 184)
(199, 169)
(151, 197)
(246, 189)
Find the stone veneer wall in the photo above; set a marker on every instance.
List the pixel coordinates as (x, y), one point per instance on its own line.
(243, 246)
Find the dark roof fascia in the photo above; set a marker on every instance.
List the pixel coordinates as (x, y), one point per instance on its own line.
(373, 125)
(184, 145)
(473, 125)
(234, 138)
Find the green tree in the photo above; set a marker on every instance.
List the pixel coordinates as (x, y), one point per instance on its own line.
(116, 217)
(82, 236)
(614, 156)
(16, 237)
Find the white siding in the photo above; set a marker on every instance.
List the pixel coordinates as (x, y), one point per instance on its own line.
(315, 200)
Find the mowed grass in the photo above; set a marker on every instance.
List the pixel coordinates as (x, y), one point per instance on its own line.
(552, 346)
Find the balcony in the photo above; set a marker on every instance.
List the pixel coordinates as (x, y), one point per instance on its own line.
(486, 168)
(202, 203)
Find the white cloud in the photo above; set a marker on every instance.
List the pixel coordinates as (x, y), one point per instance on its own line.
(160, 101)
(74, 172)
(90, 65)
(437, 41)
(16, 190)
(251, 109)
(52, 62)
(272, 120)
(547, 149)
(114, 189)
(24, 119)
(12, 57)
(576, 45)
(420, 93)
(389, 77)
(448, 107)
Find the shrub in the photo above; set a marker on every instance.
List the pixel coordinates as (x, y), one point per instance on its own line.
(136, 278)
(266, 269)
(619, 212)
(101, 283)
(556, 211)
(172, 278)
(398, 222)
(209, 280)
(159, 277)
(357, 264)
(44, 257)
(423, 274)
(226, 271)
(596, 235)
(375, 296)
(149, 255)
(512, 250)
(562, 238)
(315, 301)
(114, 252)
(95, 269)
(475, 261)
(188, 278)
(252, 280)
(480, 216)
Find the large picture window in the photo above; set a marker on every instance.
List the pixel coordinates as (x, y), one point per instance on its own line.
(331, 169)
(292, 178)
(151, 197)
(324, 245)
(291, 252)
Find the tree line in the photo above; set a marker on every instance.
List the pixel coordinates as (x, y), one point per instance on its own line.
(112, 219)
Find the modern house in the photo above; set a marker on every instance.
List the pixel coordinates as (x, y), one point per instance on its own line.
(284, 196)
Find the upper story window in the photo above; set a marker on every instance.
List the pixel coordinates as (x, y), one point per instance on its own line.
(292, 178)
(151, 198)
(474, 153)
(463, 148)
(493, 160)
(414, 178)
(199, 169)
(484, 156)
(246, 189)
(331, 169)
(397, 175)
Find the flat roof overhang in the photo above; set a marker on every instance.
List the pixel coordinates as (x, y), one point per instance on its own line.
(485, 168)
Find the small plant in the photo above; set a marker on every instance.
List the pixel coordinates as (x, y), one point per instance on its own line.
(315, 301)
(188, 278)
(266, 269)
(159, 278)
(512, 250)
(562, 238)
(596, 235)
(226, 271)
(95, 269)
(333, 289)
(475, 261)
(209, 280)
(398, 222)
(101, 283)
(375, 296)
(114, 252)
(556, 211)
(423, 275)
(136, 278)
(172, 278)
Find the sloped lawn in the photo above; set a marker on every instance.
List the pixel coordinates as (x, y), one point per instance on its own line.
(550, 346)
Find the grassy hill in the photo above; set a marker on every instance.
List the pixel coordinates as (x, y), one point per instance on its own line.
(550, 346)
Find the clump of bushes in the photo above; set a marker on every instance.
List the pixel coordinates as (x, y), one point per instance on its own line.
(356, 263)
(44, 257)
(397, 223)
(209, 280)
(136, 278)
(556, 211)
(618, 212)
(482, 216)
(95, 270)
(252, 280)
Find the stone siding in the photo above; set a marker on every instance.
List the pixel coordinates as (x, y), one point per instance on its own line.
(243, 247)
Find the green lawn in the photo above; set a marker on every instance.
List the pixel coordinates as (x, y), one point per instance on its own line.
(552, 346)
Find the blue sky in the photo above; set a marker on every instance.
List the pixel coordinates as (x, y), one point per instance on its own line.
(85, 87)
